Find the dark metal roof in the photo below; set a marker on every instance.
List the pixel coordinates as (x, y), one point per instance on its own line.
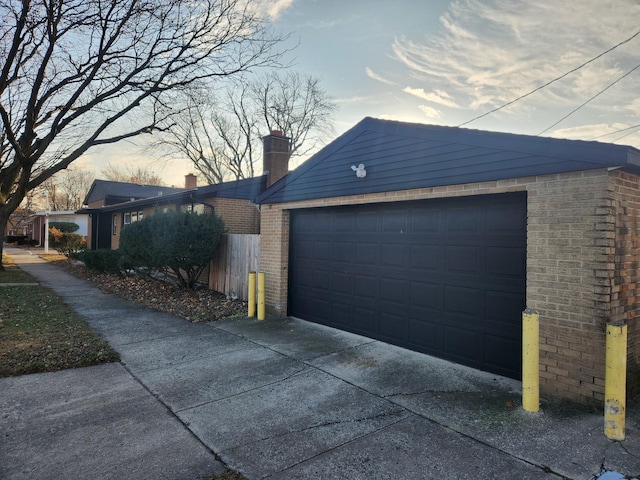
(246, 189)
(118, 192)
(400, 156)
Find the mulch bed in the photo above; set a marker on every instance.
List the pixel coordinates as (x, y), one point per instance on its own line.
(197, 305)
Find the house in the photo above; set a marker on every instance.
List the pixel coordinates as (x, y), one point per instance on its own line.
(112, 205)
(25, 225)
(19, 226)
(437, 238)
(69, 216)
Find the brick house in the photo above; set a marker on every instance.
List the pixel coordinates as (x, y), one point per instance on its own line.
(112, 205)
(436, 238)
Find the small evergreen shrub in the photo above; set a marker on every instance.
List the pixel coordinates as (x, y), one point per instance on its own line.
(64, 227)
(181, 243)
(102, 260)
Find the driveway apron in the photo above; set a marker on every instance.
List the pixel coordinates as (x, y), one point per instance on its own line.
(280, 398)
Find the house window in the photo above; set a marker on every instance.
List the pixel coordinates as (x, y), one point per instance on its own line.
(134, 217)
(127, 219)
(115, 225)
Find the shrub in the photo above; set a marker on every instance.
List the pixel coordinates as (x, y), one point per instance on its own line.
(102, 260)
(64, 242)
(182, 243)
(64, 227)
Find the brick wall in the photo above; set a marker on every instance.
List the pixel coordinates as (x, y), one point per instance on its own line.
(625, 301)
(240, 216)
(581, 266)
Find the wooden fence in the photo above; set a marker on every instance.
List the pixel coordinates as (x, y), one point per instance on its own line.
(237, 256)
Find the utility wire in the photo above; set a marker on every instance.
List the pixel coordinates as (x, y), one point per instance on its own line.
(625, 135)
(617, 131)
(552, 81)
(592, 98)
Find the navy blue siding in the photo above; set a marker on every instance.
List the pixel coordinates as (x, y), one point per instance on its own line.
(399, 156)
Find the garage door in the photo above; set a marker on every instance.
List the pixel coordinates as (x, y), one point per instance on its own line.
(444, 277)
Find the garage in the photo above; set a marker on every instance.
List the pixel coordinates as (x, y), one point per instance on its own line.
(444, 277)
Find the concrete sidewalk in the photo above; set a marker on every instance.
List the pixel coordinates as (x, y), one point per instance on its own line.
(280, 398)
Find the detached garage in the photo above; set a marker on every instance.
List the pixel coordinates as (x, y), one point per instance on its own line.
(436, 238)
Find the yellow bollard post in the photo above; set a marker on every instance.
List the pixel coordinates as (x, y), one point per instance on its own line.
(615, 380)
(261, 306)
(252, 295)
(530, 360)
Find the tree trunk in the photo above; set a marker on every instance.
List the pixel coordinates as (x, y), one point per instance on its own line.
(4, 219)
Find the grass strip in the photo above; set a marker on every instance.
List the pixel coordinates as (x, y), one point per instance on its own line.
(40, 333)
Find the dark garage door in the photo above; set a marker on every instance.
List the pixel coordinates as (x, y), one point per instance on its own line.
(444, 277)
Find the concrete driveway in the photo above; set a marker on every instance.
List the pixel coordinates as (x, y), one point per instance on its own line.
(281, 398)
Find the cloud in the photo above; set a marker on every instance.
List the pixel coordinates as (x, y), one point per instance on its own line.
(430, 112)
(488, 53)
(437, 96)
(272, 8)
(602, 132)
(374, 76)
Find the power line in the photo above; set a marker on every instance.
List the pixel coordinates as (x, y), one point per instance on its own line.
(552, 81)
(592, 98)
(617, 131)
(625, 135)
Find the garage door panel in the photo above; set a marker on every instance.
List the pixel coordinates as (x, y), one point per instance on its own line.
(426, 295)
(425, 336)
(341, 283)
(392, 255)
(367, 254)
(365, 320)
(444, 277)
(322, 280)
(461, 300)
(462, 345)
(463, 219)
(392, 221)
(322, 251)
(393, 327)
(341, 315)
(366, 222)
(426, 257)
(344, 223)
(505, 218)
(504, 306)
(425, 220)
(392, 289)
(463, 258)
(506, 261)
(304, 249)
(366, 286)
(500, 354)
(344, 252)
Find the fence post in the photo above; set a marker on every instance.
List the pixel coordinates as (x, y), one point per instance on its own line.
(252, 295)
(615, 380)
(261, 295)
(530, 360)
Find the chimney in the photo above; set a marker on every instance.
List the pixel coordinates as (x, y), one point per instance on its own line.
(190, 181)
(276, 154)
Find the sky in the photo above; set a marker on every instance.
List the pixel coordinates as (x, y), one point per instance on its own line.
(447, 62)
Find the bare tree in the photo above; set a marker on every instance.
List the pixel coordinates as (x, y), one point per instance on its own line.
(139, 175)
(79, 73)
(66, 189)
(221, 136)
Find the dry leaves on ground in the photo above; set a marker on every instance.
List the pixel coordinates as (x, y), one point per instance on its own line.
(198, 305)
